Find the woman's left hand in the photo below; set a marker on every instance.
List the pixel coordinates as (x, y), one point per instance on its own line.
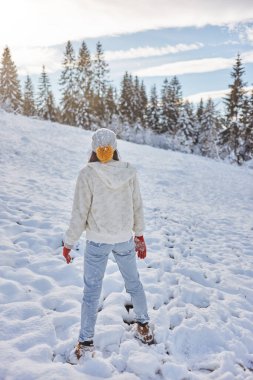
(66, 254)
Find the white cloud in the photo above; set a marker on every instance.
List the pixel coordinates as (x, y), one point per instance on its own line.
(249, 34)
(202, 65)
(51, 22)
(229, 42)
(205, 95)
(244, 32)
(149, 51)
(30, 60)
(211, 94)
(247, 56)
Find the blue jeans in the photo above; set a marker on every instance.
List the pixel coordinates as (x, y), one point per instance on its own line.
(95, 261)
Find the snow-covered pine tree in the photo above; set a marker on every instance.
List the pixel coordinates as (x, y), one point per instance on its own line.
(234, 100)
(245, 114)
(53, 111)
(139, 103)
(143, 105)
(230, 137)
(208, 130)
(246, 122)
(84, 92)
(68, 102)
(29, 108)
(248, 153)
(200, 111)
(229, 142)
(153, 111)
(111, 109)
(176, 102)
(165, 106)
(100, 83)
(186, 137)
(126, 99)
(136, 101)
(171, 105)
(45, 101)
(10, 92)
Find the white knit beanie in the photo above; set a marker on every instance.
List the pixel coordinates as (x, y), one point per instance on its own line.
(104, 137)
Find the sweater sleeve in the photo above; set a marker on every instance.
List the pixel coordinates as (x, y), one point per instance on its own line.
(138, 226)
(80, 210)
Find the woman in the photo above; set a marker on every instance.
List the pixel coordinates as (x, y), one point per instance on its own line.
(108, 206)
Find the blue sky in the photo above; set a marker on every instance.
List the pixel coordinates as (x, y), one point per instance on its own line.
(197, 41)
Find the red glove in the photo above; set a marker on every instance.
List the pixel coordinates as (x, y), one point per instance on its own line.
(65, 253)
(140, 246)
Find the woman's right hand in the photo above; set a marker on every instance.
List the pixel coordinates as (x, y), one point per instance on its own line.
(140, 247)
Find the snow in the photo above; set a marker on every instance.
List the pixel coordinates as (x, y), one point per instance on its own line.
(198, 275)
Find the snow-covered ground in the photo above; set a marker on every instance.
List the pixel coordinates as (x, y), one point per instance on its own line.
(198, 275)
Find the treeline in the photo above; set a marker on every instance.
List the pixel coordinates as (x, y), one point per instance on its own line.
(88, 100)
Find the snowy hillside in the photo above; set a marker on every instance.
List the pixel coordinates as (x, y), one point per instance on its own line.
(198, 275)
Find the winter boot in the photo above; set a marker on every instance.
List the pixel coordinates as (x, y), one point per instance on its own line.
(144, 333)
(84, 348)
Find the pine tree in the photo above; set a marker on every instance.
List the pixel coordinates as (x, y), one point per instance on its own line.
(245, 114)
(29, 108)
(143, 105)
(139, 102)
(172, 102)
(52, 109)
(153, 112)
(100, 82)
(200, 111)
(10, 92)
(136, 101)
(230, 138)
(246, 130)
(176, 102)
(234, 99)
(208, 131)
(133, 101)
(84, 93)
(165, 106)
(229, 142)
(45, 101)
(111, 110)
(126, 99)
(67, 82)
(187, 132)
(249, 132)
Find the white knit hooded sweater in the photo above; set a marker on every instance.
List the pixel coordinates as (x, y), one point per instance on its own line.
(107, 204)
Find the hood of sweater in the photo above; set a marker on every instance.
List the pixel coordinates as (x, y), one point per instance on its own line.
(114, 174)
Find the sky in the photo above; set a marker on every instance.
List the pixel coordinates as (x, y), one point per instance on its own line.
(196, 40)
